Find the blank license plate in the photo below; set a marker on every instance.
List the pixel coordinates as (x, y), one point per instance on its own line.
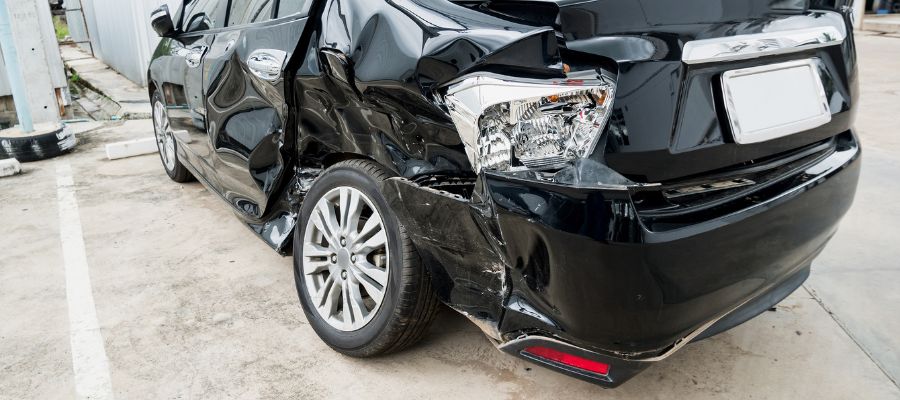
(771, 101)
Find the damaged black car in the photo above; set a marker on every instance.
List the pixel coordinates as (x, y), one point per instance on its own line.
(594, 183)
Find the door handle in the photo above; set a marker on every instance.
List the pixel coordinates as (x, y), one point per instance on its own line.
(229, 45)
(266, 64)
(194, 57)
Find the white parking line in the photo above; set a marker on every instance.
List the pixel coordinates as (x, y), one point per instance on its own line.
(89, 360)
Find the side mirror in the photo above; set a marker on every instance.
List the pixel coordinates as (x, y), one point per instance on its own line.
(161, 21)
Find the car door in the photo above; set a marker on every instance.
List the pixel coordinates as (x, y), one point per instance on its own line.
(246, 107)
(200, 21)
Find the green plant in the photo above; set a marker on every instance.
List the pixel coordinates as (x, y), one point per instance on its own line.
(62, 29)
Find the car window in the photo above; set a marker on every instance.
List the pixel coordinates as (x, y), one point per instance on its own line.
(291, 7)
(204, 15)
(250, 11)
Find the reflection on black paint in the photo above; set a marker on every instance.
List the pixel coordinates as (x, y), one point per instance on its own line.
(247, 129)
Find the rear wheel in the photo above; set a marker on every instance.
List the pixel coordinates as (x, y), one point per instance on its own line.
(165, 142)
(360, 280)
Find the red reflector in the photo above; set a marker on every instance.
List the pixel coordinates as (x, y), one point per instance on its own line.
(568, 359)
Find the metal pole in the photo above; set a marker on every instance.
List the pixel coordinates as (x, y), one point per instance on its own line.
(13, 71)
(859, 13)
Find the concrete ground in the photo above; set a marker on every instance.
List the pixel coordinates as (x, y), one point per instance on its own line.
(887, 23)
(189, 304)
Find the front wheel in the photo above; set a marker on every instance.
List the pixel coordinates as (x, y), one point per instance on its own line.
(165, 142)
(360, 280)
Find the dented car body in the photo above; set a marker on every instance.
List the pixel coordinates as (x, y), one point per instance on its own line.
(674, 211)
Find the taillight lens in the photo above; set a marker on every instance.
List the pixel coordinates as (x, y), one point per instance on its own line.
(568, 359)
(512, 125)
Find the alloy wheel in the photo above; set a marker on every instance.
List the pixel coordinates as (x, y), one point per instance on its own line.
(345, 259)
(164, 138)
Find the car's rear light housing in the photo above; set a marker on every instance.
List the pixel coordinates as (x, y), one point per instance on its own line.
(513, 124)
(567, 359)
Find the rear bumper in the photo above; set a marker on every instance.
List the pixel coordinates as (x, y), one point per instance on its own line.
(578, 268)
(622, 369)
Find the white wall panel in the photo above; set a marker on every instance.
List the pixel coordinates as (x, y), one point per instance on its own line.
(121, 34)
(51, 49)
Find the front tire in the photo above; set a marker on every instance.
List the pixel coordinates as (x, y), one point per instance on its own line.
(166, 143)
(360, 280)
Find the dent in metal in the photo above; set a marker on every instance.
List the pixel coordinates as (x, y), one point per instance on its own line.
(467, 266)
(278, 230)
(491, 328)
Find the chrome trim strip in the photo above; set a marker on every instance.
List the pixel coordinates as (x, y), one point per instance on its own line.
(741, 47)
(670, 350)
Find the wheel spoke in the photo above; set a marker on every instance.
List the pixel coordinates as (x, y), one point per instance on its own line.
(158, 124)
(315, 267)
(373, 273)
(170, 150)
(328, 296)
(375, 242)
(351, 209)
(314, 250)
(347, 307)
(326, 214)
(375, 291)
(321, 226)
(374, 222)
(356, 303)
(157, 118)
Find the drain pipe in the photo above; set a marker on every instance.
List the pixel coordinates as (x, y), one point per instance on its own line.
(14, 71)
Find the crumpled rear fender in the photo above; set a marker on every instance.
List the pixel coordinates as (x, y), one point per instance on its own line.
(364, 80)
(467, 263)
(366, 84)
(366, 87)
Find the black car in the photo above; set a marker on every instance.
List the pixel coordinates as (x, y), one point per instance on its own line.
(594, 183)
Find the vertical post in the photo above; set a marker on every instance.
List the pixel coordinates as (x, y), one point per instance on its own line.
(26, 32)
(143, 41)
(13, 71)
(859, 13)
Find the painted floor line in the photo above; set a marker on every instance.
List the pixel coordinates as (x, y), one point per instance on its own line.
(89, 362)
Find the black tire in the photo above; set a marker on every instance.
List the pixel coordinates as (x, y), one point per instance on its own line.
(37, 147)
(178, 172)
(409, 305)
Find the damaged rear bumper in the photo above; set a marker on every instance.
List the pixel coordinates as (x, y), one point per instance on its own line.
(583, 271)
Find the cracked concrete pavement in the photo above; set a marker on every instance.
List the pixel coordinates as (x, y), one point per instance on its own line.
(191, 304)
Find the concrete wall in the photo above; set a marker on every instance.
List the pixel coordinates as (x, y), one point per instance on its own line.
(51, 48)
(120, 33)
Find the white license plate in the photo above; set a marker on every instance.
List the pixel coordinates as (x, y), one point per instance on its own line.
(771, 101)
